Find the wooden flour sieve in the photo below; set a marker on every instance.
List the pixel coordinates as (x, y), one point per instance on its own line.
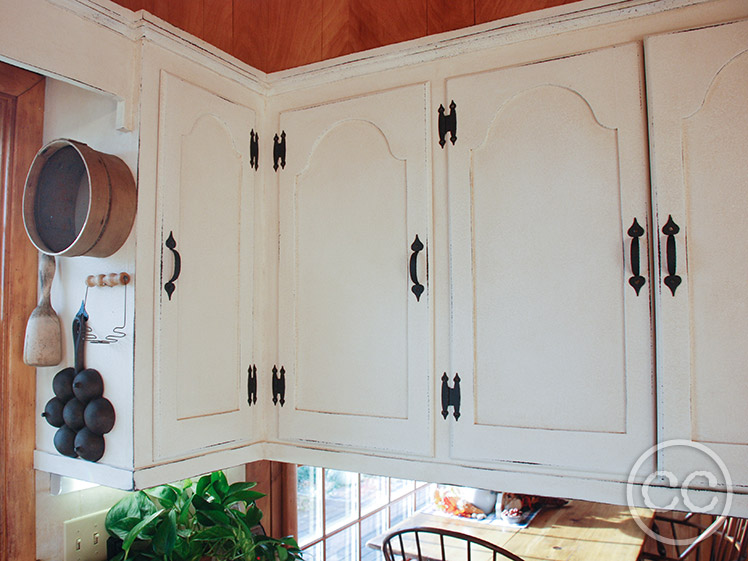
(78, 201)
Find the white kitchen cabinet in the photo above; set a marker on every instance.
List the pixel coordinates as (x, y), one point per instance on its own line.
(205, 201)
(698, 104)
(551, 342)
(526, 265)
(354, 337)
(193, 346)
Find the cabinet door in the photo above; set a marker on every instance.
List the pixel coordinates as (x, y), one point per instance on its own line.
(205, 193)
(355, 340)
(698, 103)
(552, 343)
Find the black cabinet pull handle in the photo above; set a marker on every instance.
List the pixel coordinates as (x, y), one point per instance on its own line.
(636, 281)
(670, 229)
(451, 396)
(417, 287)
(171, 243)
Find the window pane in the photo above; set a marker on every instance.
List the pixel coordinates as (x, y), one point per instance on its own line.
(401, 486)
(373, 492)
(309, 503)
(314, 553)
(341, 500)
(400, 510)
(371, 527)
(425, 496)
(343, 546)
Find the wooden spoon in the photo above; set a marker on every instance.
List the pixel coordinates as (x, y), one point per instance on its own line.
(43, 343)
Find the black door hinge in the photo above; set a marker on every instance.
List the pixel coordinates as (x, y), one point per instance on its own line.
(254, 150)
(279, 151)
(279, 386)
(448, 124)
(252, 384)
(451, 396)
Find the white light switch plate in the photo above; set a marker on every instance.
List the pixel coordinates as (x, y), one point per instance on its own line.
(85, 538)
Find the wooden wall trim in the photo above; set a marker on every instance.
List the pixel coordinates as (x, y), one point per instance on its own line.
(278, 481)
(22, 103)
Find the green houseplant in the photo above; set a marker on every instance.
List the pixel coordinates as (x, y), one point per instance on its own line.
(191, 521)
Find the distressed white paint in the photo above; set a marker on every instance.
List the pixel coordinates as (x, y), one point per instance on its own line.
(105, 48)
(354, 340)
(205, 193)
(699, 131)
(551, 343)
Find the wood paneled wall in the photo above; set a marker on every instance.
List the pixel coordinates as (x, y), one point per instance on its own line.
(278, 34)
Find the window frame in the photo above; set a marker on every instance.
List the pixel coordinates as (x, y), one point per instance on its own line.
(410, 495)
(22, 104)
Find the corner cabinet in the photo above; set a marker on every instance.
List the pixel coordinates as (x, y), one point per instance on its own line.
(552, 336)
(354, 313)
(698, 106)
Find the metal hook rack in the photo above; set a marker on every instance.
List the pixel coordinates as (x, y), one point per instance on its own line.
(108, 280)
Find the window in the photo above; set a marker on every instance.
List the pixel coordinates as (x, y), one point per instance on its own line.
(339, 511)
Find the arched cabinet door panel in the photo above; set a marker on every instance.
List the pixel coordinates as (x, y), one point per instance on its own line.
(354, 336)
(698, 92)
(552, 342)
(205, 193)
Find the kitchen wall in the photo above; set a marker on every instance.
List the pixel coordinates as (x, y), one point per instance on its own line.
(90, 117)
(87, 116)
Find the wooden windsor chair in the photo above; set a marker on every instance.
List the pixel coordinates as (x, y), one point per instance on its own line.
(439, 544)
(724, 539)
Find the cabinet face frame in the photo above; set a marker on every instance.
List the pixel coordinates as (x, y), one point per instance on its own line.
(395, 124)
(698, 180)
(582, 85)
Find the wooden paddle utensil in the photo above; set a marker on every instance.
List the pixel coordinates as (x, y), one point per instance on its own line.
(43, 343)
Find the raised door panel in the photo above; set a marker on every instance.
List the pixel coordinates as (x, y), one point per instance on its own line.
(205, 196)
(354, 338)
(698, 91)
(552, 342)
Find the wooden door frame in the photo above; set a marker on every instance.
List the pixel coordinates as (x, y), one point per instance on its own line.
(21, 130)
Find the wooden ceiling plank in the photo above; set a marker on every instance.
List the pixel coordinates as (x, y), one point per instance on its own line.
(249, 43)
(388, 21)
(490, 10)
(338, 37)
(448, 15)
(184, 14)
(218, 23)
(293, 32)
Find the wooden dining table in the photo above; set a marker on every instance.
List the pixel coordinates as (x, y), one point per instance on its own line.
(578, 531)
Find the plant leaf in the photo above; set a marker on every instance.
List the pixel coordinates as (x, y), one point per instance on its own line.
(213, 533)
(165, 494)
(133, 534)
(253, 516)
(202, 484)
(213, 517)
(248, 497)
(241, 486)
(220, 483)
(201, 504)
(132, 506)
(166, 535)
(282, 552)
(184, 513)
